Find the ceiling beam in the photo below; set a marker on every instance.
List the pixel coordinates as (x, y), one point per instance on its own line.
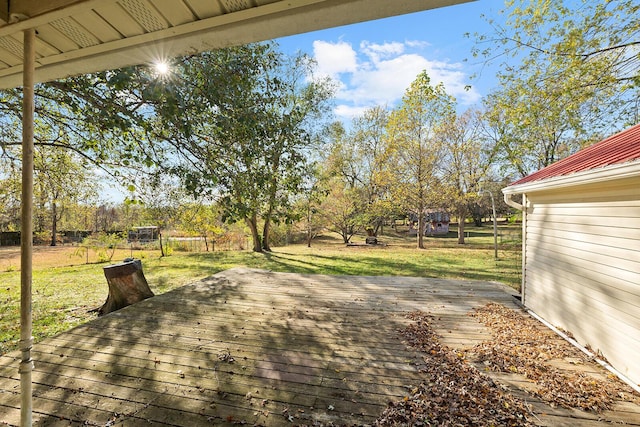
(32, 8)
(4, 12)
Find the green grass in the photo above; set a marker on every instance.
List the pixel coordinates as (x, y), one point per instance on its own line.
(64, 296)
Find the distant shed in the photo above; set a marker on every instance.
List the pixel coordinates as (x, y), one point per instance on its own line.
(435, 222)
(581, 247)
(145, 234)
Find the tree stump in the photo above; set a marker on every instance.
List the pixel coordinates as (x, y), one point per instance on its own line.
(127, 285)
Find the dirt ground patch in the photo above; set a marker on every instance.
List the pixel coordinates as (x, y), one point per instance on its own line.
(54, 256)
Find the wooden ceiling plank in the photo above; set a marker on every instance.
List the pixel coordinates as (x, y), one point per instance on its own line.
(4, 12)
(209, 24)
(145, 14)
(56, 39)
(231, 6)
(44, 49)
(205, 8)
(120, 20)
(11, 46)
(33, 8)
(174, 11)
(76, 32)
(98, 26)
(9, 59)
(12, 70)
(263, 2)
(75, 8)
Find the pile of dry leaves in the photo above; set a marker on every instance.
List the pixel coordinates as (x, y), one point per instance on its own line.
(521, 345)
(456, 394)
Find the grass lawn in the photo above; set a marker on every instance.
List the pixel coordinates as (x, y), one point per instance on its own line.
(66, 288)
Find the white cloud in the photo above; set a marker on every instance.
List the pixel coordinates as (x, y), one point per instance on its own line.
(349, 112)
(334, 58)
(385, 82)
(379, 51)
(379, 74)
(421, 44)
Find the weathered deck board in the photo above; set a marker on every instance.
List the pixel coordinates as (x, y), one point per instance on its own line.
(305, 349)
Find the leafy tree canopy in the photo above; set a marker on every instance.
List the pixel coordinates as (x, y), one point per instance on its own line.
(569, 75)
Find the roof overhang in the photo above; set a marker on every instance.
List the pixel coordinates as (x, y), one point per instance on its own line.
(588, 177)
(82, 36)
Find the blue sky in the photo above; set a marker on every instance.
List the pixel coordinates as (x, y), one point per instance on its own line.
(374, 62)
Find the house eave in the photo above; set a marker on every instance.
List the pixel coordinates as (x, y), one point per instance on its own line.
(593, 176)
(84, 36)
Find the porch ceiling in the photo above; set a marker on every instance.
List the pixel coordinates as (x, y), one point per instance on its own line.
(82, 36)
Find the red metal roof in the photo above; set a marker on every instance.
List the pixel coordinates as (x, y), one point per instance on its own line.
(620, 148)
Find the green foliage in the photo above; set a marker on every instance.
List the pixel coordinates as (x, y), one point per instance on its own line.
(91, 115)
(10, 191)
(307, 206)
(570, 75)
(465, 165)
(81, 252)
(201, 219)
(342, 210)
(61, 179)
(239, 124)
(104, 245)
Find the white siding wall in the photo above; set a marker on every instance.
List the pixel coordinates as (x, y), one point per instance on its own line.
(582, 267)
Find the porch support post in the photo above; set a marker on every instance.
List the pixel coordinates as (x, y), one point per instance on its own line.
(26, 230)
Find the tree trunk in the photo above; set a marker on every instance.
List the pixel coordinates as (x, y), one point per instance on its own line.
(54, 224)
(345, 236)
(266, 232)
(273, 188)
(161, 247)
(462, 214)
(421, 228)
(252, 223)
(476, 213)
(309, 231)
(127, 285)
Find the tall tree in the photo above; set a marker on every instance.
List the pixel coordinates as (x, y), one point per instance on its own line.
(240, 120)
(61, 179)
(356, 159)
(342, 211)
(344, 175)
(570, 72)
(369, 135)
(309, 202)
(295, 106)
(9, 199)
(466, 163)
(415, 147)
(535, 126)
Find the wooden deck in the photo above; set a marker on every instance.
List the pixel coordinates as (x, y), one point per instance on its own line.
(256, 347)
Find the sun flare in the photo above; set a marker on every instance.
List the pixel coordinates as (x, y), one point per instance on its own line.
(162, 68)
